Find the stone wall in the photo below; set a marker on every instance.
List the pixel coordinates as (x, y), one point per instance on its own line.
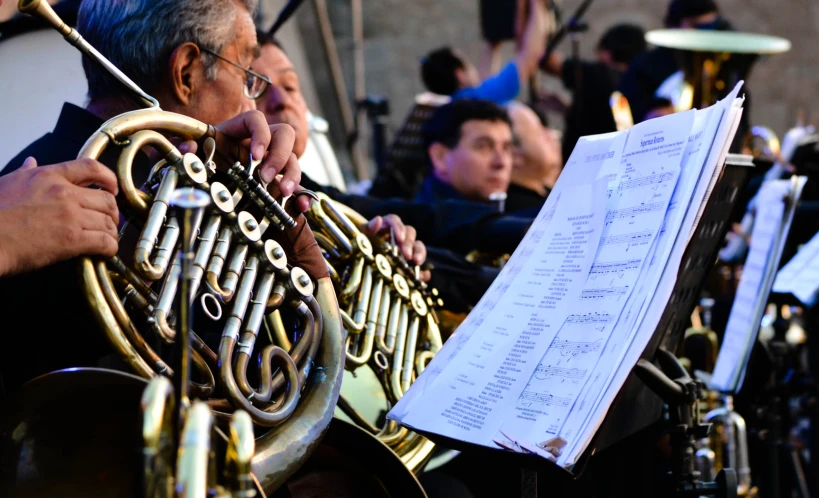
(399, 32)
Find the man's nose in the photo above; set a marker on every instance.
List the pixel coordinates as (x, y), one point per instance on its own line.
(248, 105)
(500, 158)
(277, 98)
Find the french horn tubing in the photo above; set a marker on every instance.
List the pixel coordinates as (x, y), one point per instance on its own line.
(241, 275)
(389, 314)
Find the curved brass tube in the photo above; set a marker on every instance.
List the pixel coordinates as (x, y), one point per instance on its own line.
(274, 322)
(193, 462)
(226, 289)
(354, 282)
(409, 353)
(137, 199)
(152, 227)
(295, 443)
(241, 446)
(354, 361)
(386, 313)
(317, 215)
(356, 323)
(105, 317)
(398, 356)
(157, 405)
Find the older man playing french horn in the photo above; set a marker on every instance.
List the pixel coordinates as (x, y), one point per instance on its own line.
(194, 62)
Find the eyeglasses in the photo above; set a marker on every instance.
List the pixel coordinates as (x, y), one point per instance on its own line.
(255, 83)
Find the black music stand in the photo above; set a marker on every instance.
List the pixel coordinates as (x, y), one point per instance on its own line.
(640, 403)
(405, 162)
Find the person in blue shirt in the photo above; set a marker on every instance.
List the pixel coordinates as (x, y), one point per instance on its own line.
(470, 148)
(446, 71)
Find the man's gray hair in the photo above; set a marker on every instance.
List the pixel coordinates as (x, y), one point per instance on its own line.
(139, 36)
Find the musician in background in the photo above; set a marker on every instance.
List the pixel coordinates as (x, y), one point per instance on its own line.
(447, 71)
(452, 224)
(645, 75)
(593, 83)
(461, 283)
(537, 160)
(283, 103)
(469, 144)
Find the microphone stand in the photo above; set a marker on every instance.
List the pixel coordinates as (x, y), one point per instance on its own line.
(574, 28)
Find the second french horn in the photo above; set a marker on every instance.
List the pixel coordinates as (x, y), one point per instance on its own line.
(389, 315)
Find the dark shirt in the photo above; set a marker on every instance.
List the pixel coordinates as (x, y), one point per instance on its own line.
(434, 190)
(522, 199)
(590, 113)
(644, 76)
(48, 324)
(451, 223)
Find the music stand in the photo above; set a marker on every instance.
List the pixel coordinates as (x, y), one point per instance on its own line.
(406, 160)
(622, 419)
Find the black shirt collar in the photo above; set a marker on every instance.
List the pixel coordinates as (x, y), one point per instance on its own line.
(76, 124)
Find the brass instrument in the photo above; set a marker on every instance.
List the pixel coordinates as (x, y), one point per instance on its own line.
(391, 321)
(729, 432)
(238, 265)
(177, 433)
(727, 443)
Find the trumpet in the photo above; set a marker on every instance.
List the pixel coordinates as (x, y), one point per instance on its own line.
(240, 274)
(389, 313)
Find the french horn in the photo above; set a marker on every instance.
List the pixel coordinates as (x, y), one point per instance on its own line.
(391, 321)
(241, 275)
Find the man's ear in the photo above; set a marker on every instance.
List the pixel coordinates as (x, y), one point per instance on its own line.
(185, 71)
(462, 77)
(438, 157)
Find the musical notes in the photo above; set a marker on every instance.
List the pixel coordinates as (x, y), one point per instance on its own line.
(616, 266)
(589, 318)
(642, 181)
(546, 399)
(633, 238)
(592, 294)
(545, 371)
(631, 212)
(574, 348)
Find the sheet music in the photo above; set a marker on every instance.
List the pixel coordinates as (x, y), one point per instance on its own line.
(740, 332)
(702, 163)
(800, 276)
(584, 165)
(516, 372)
(636, 207)
(771, 226)
(471, 397)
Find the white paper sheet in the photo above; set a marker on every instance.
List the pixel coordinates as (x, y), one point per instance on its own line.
(800, 276)
(740, 332)
(551, 402)
(472, 396)
(645, 310)
(478, 383)
(771, 227)
(583, 166)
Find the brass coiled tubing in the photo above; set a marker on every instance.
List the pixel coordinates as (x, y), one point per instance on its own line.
(238, 264)
(389, 315)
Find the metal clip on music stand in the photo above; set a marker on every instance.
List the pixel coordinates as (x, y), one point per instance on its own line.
(682, 394)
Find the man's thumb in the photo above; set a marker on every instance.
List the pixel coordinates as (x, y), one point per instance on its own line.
(29, 163)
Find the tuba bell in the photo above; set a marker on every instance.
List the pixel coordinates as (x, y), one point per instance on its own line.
(391, 319)
(241, 274)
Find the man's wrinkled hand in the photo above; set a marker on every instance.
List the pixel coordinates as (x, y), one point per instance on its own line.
(48, 214)
(414, 251)
(249, 133)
